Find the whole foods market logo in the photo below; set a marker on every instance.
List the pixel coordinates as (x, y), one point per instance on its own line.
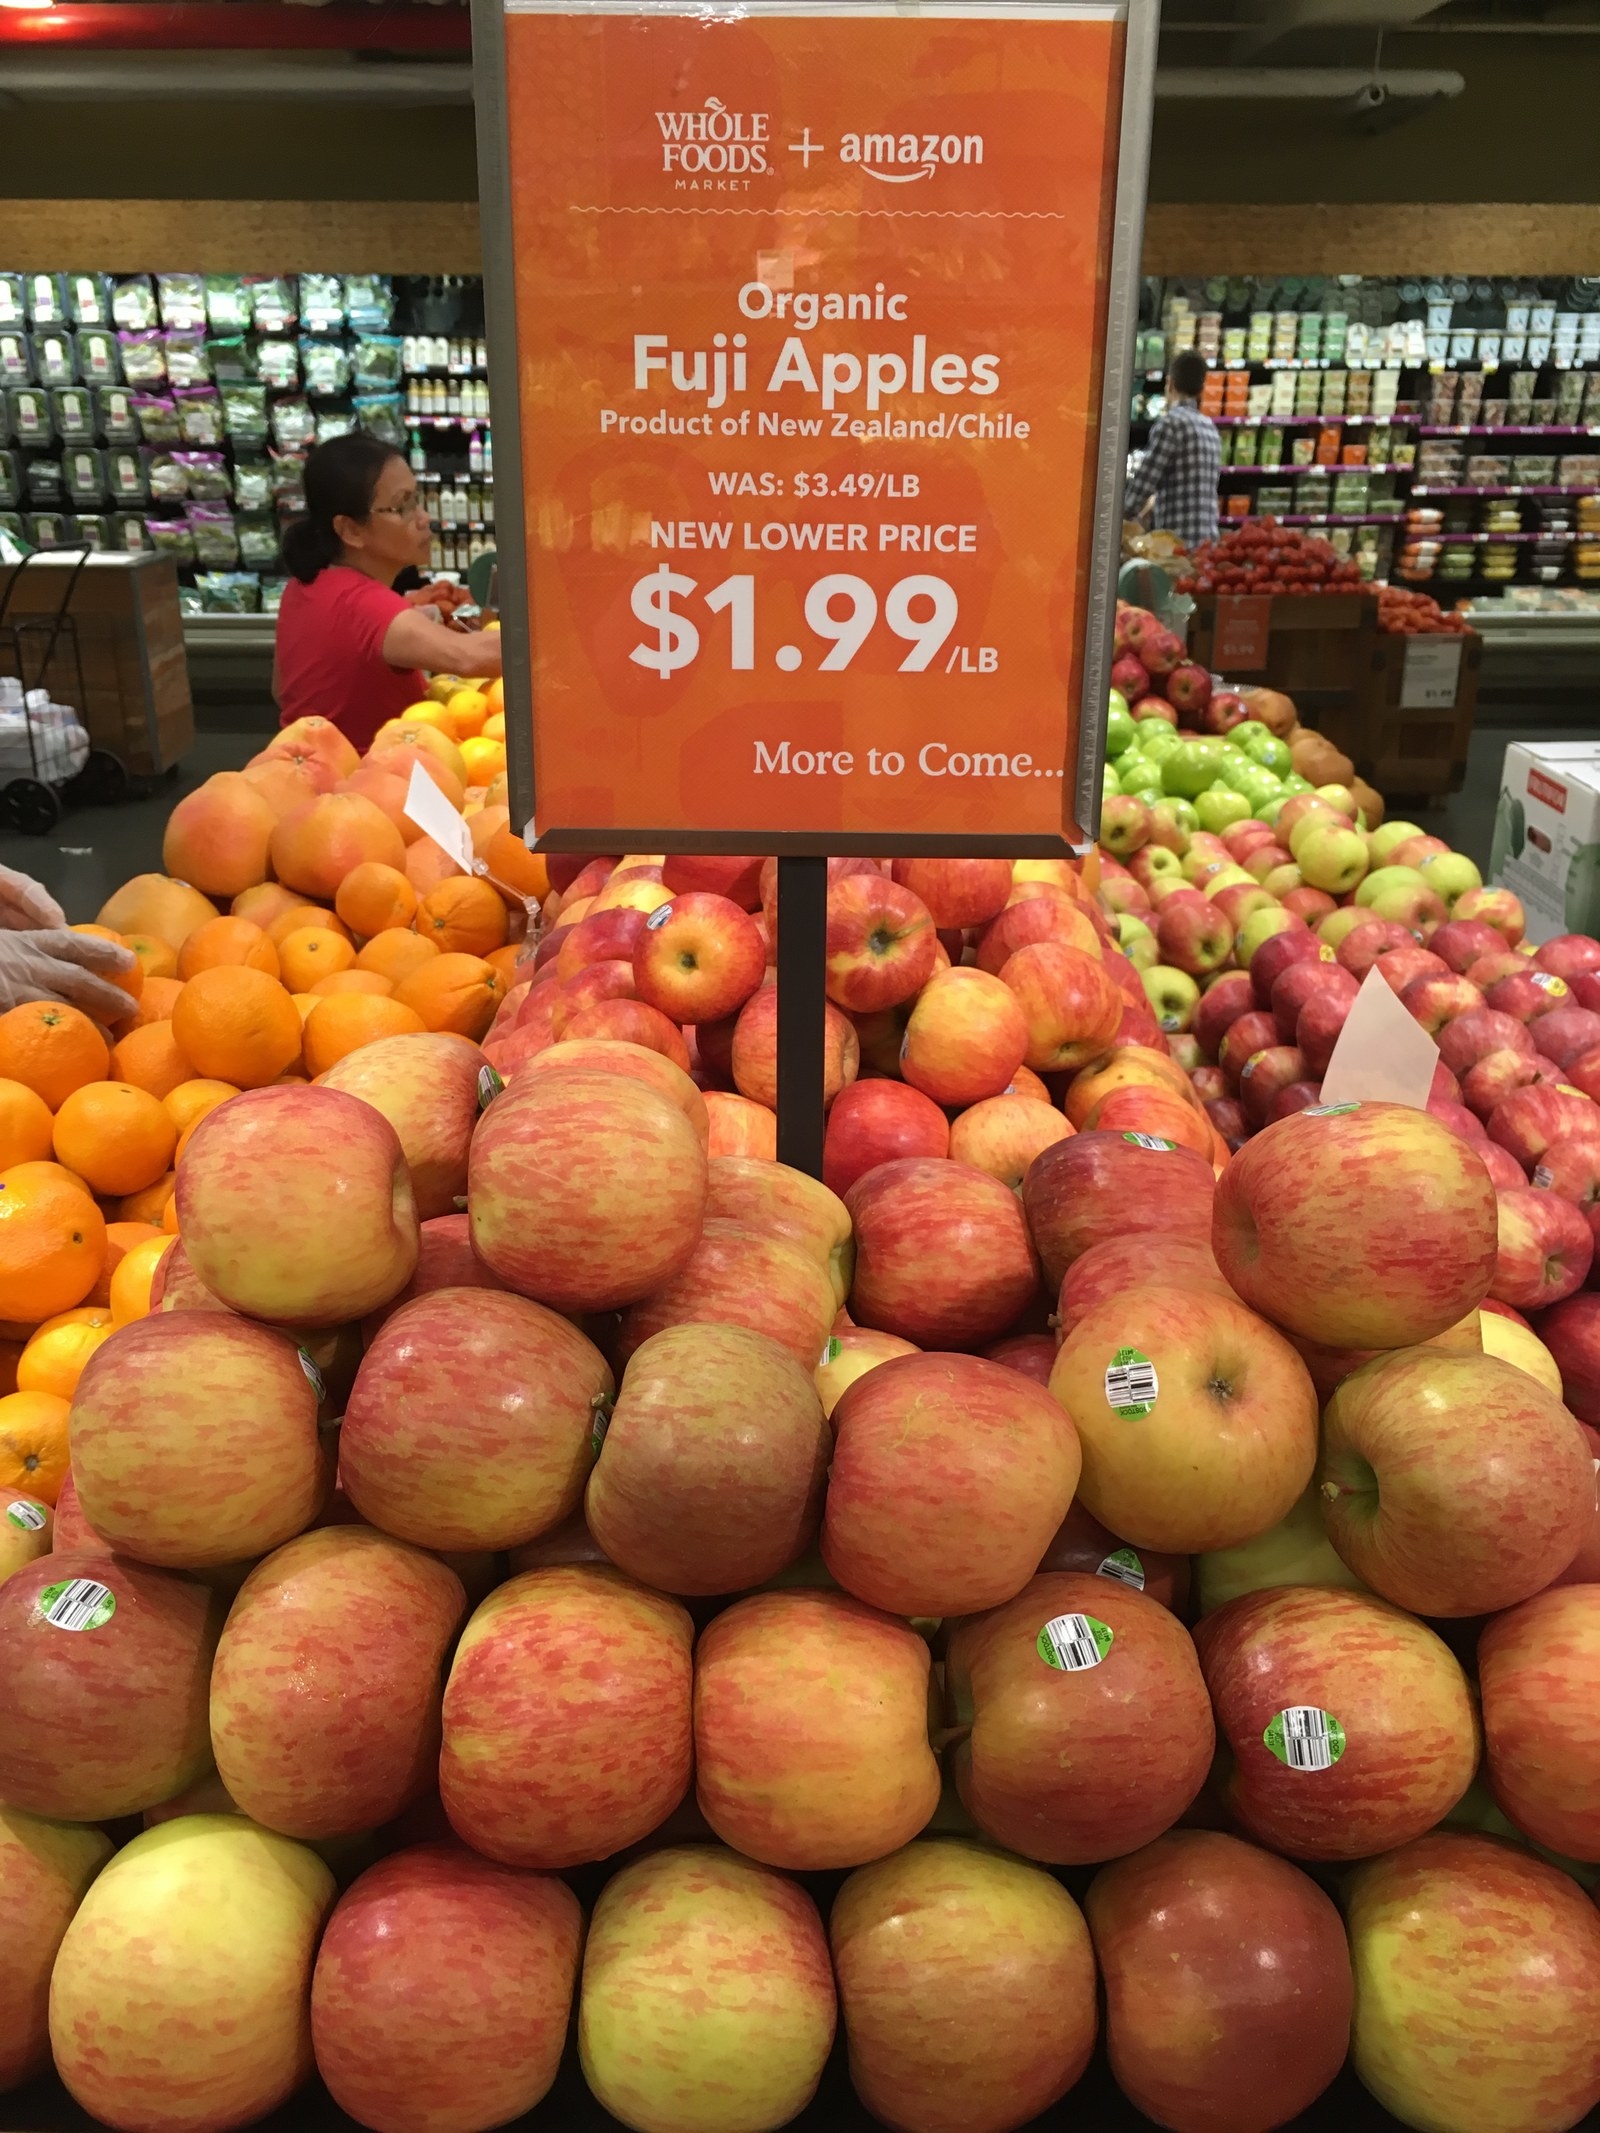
(903, 158)
(714, 141)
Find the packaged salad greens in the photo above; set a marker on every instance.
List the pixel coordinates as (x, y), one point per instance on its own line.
(206, 476)
(244, 409)
(273, 301)
(252, 485)
(47, 299)
(16, 356)
(91, 531)
(89, 299)
(73, 408)
(12, 308)
(133, 304)
(333, 422)
(117, 418)
(369, 301)
(144, 357)
(55, 359)
(171, 537)
(228, 592)
(158, 418)
(98, 358)
(28, 411)
(292, 427)
(377, 363)
(128, 533)
(10, 479)
(183, 301)
(125, 474)
(165, 478)
(85, 474)
(278, 363)
(321, 302)
(383, 414)
(230, 360)
(326, 365)
(44, 481)
(227, 303)
(187, 361)
(216, 541)
(199, 414)
(258, 543)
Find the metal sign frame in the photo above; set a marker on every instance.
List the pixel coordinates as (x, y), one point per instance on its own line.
(1141, 20)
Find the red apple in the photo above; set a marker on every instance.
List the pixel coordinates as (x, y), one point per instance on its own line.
(948, 1940)
(1571, 1331)
(1473, 1036)
(1264, 860)
(811, 1729)
(1299, 1096)
(47, 1868)
(1303, 901)
(1464, 1124)
(1404, 966)
(942, 1251)
(949, 1476)
(1461, 942)
(1266, 1074)
(715, 873)
(744, 1273)
(427, 1088)
(698, 958)
(1252, 1033)
(587, 1189)
(880, 943)
(278, 1676)
(1082, 1544)
(1129, 677)
(1417, 1448)
(630, 1021)
(1036, 918)
(1080, 1721)
(1298, 983)
(875, 1122)
(753, 1058)
(1505, 1172)
(1198, 1422)
(713, 1467)
(1527, 1120)
(1003, 1134)
(1546, 1247)
(1224, 1000)
(1479, 1999)
(1570, 1167)
(1321, 1019)
(593, 986)
(567, 1718)
(1068, 1005)
(1434, 1001)
(609, 936)
(1489, 969)
(1368, 943)
(106, 1664)
(1351, 1726)
(1278, 951)
(1569, 955)
(1529, 995)
(493, 1954)
(1102, 1185)
(1539, 1670)
(1194, 935)
(958, 892)
(1208, 1083)
(1491, 1079)
(1495, 907)
(1372, 1227)
(1567, 1033)
(968, 1033)
(1136, 1260)
(1584, 1074)
(1237, 899)
(1227, 1981)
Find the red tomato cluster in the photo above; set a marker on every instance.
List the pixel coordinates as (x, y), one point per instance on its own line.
(1414, 614)
(1265, 557)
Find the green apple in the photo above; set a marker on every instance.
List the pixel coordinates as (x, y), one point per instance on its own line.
(1173, 996)
(1258, 927)
(1382, 878)
(1293, 783)
(1340, 797)
(1135, 768)
(1191, 767)
(1334, 925)
(1450, 874)
(1332, 859)
(1258, 786)
(1110, 783)
(1119, 724)
(1262, 746)
(1268, 811)
(1391, 834)
(1173, 823)
(1157, 739)
(1282, 879)
(1136, 941)
(1149, 794)
(1218, 806)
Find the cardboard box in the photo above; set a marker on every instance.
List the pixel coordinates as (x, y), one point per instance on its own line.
(1547, 835)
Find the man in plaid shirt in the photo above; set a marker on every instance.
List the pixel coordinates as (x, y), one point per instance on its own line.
(1180, 467)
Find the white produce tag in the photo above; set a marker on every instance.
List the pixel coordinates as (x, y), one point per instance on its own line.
(428, 808)
(1382, 1056)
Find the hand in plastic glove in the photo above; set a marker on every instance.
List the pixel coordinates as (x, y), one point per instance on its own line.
(25, 903)
(58, 964)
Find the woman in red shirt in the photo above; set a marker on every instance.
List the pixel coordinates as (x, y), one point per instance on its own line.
(349, 647)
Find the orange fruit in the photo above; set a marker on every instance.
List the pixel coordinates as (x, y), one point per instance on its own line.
(505, 961)
(130, 1284)
(237, 1025)
(25, 1125)
(454, 992)
(50, 1173)
(118, 1138)
(343, 1022)
(130, 981)
(52, 1243)
(54, 1358)
(51, 1050)
(427, 866)
(371, 982)
(395, 954)
(150, 1057)
(155, 1004)
(484, 758)
(193, 1099)
(468, 708)
(157, 958)
(301, 915)
(426, 713)
(375, 898)
(509, 860)
(169, 1214)
(121, 1237)
(224, 943)
(463, 916)
(151, 1204)
(311, 954)
(412, 742)
(155, 903)
(494, 726)
(496, 693)
(33, 1444)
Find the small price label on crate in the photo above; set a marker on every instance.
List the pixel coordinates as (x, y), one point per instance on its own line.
(1431, 675)
(1244, 622)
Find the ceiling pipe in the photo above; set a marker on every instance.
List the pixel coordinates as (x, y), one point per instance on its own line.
(240, 26)
(1327, 85)
(61, 77)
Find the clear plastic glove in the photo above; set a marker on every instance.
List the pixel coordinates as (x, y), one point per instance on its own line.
(25, 903)
(69, 968)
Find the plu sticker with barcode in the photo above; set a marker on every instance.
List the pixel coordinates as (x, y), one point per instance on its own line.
(1073, 1643)
(489, 1086)
(1547, 981)
(313, 1376)
(1123, 1565)
(1328, 1110)
(1304, 1738)
(1543, 1175)
(658, 918)
(28, 1515)
(77, 1603)
(1152, 1141)
(832, 1349)
(601, 1407)
(1131, 1384)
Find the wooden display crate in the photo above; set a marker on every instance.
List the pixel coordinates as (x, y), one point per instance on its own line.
(1419, 722)
(130, 636)
(1315, 647)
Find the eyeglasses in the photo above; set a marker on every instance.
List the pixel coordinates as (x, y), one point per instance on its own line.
(408, 507)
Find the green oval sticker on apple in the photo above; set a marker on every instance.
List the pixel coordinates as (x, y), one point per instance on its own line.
(77, 1603)
(490, 1084)
(1305, 1738)
(1073, 1643)
(1124, 1565)
(313, 1376)
(1152, 1141)
(1132, 1386)
(27, 1514)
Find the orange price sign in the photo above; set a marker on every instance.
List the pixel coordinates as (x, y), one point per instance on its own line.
(821, 322)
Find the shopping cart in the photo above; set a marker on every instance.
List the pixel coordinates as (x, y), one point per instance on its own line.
(46, 759)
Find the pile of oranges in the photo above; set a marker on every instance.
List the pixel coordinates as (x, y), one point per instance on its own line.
(302, 915)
